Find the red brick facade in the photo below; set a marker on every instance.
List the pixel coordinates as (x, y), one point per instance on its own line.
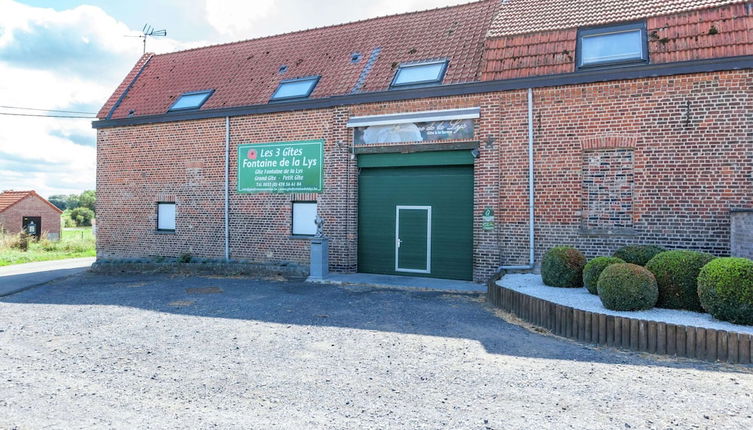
(671, 168)
(658, 160)
(32, 205)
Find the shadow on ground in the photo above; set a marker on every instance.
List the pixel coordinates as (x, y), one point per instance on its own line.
(363, 308)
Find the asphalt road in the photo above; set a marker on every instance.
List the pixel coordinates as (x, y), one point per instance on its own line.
(177, 352)
(18, 277)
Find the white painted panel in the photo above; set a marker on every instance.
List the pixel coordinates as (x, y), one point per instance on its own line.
(166, 216)
(304, 215)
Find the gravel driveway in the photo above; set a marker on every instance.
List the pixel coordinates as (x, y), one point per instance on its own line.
(148, 351)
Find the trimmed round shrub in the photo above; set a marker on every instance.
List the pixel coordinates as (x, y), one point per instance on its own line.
(725, 288)
(594, 268)
(562, 266)
(627, 287)
(638, 254)
(676, 275)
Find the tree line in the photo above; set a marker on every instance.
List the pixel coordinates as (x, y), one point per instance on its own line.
(78, 209)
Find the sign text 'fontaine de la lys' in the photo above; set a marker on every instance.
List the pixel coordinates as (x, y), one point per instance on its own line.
(281, 167)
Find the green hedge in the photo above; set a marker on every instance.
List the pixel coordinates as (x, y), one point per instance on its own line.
(638, 254)
(594, 268)
(725, 288)
(627, 287)
(676, 275)
(562, 266)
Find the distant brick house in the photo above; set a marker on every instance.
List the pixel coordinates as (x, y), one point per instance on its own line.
(439, 143)
(30, 212)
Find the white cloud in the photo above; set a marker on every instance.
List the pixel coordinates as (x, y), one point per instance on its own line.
(71, 59)
(236, 19)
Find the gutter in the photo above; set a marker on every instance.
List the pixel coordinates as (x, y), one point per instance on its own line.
(531, 249)
(574, 78)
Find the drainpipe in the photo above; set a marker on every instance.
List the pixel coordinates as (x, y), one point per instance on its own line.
(530, 264)
(227, 181)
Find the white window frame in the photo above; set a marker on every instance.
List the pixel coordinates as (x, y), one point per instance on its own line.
(205, 93)
(314, 82)
(298, 226)
(607, 30)
(165, 217)
(444, 63)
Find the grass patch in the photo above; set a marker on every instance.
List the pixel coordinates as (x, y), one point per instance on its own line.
(74, 243)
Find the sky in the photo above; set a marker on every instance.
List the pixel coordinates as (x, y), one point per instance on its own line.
(70, 55)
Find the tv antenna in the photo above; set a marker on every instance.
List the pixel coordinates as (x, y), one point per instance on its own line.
(147, 32)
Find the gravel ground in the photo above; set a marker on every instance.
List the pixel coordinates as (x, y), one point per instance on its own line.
(148, 351)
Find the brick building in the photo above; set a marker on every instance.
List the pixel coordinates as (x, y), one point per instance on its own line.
(28, 211)
(439, 143)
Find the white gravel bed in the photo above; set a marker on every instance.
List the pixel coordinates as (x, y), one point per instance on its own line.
(580, 298)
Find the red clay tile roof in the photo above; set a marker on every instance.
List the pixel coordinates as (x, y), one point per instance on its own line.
(247, 73)
(533, 16)
(681, 36)
(10, 198)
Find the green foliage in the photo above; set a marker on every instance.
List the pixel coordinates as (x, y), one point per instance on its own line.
(627, 287)
(562, 266)
(59, 200)
(676, 275)
(68, 222)
(72, 201)
(638, 254)
(88, 199)
(725, 289)
(82, 216)
(594, 268)
(73, 244)
(185, 258)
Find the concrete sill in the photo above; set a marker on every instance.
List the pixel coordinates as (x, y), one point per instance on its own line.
(300, 237)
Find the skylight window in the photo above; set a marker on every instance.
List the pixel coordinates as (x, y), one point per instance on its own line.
(612, 45)
(192, 100)
(420, 73)
(295, 88)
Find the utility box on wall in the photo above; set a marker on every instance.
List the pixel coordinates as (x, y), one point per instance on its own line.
(741, 235)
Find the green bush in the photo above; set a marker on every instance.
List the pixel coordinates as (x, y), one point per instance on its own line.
(676, 275)
(82, 216)
(627, 287)
(638, 254)
(725, 289)
(594, 268)
(562, 266)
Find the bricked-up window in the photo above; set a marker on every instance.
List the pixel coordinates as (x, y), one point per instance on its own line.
(608, 189)
(166, 216)
(304, 214)
(295, 88)
(613, 45)
(425, 73)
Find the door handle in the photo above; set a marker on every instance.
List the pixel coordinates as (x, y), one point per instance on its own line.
(399, 242)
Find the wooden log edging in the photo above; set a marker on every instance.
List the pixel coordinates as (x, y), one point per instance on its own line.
(621, 332)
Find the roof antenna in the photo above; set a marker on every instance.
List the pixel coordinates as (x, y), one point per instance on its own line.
(149, 31)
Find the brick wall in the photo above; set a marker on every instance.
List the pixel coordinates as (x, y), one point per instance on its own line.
(689, 140)
(692, 161)
(742, 233)
(607, 190)
(11, 218)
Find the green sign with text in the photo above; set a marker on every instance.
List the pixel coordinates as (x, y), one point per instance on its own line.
(282, 167)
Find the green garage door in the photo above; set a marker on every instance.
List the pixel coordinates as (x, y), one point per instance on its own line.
(416, 221)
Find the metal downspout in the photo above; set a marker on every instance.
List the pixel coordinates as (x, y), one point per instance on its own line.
(531, 258)
(227, 192)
